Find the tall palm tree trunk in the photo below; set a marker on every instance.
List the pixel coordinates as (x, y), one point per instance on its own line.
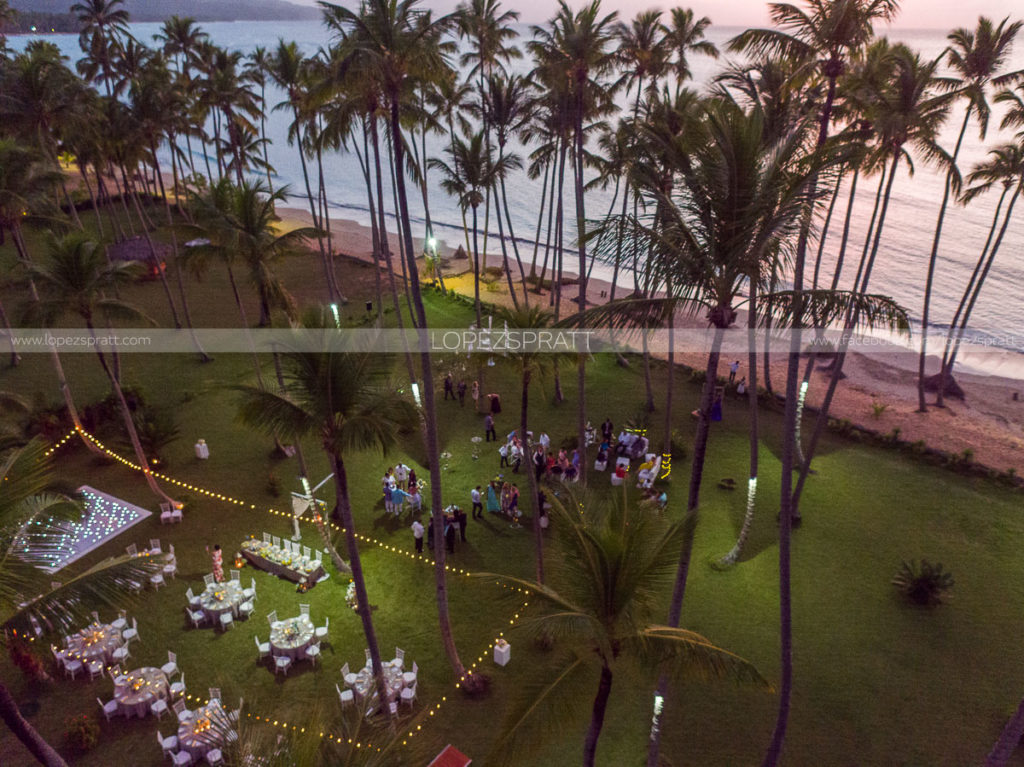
(604, 692)
(922, 406)
(430, 415)
(959, 323)
(363, 607)
(531, 476)
(581, 234)
(43, 752)
(540, 220)
(312, 212)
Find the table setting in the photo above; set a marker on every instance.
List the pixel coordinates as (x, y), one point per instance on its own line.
(282, 562)
(208, 728)
(220, 598)
(365, 683)
(291, 637)
(96, 642)
(137, 690)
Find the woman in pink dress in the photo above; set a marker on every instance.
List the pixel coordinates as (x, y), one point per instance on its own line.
(217, 557)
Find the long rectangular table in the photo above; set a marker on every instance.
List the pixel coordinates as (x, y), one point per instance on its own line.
(281, 570)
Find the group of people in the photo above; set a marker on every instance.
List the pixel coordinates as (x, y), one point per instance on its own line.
(455, 391)
(563, 466)
(399, 485)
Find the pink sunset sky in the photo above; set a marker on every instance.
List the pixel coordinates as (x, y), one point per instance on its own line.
(915, 14)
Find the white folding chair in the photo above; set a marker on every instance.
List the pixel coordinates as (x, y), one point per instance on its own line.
(277, 541)
(209, 580)
(313, 653)
(306, 552)
(193, 600)
(109, 708)
(399, 660)
(181, 758)
(304, 610)
(122, 620)
(166, 514)
(181, 711)
(272, 618)
(120, 655)
(157, 580)
(346, 697)
(266, 537)
(132, 634)
(321, 631)
(409, 694)
(178, 688)
(171, 568)
(281, 664)
(226, 621)
(72, 666)
(214, 757)
(154, 546)
(215, 693)
(95, 669)
(198, 617)
(170, 668)
(249, 594)
(236, 576)
(158, 708)
(347, 676)
(245, 610)
(409, 677)
(176, 514)
(168, 744)
(132, 550)
(262, 648)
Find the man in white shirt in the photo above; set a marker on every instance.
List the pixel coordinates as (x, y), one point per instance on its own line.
(544, 440)
(478, 506)
(401, 475)
(417, 535)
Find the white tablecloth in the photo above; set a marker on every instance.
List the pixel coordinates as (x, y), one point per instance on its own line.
(220, 598)
(291, 637)
(136, 691)
(95, 642)
(365, 684)
(206, 730)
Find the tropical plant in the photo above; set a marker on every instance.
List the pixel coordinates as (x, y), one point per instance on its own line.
(925, 584)
(342, 399)
(613, 563)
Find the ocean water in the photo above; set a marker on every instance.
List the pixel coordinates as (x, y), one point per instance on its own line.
(997, 321)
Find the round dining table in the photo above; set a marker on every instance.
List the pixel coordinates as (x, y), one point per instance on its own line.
(220, 598)
(392, 680)
(96, 642)
(291, 637)
(137, 690)
(208, 728)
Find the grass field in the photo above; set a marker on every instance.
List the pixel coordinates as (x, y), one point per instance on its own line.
(876, 682)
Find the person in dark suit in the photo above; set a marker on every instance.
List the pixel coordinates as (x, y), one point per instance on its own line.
(460, 516)
(461, 388)
(489, 432)
(449, 388)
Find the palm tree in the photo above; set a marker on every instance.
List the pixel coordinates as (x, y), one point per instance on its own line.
(75, 279)
(258, 71)
(343, 399)
(686, 36)
(1006, 169)
(613, 563)
(578, 48)
(471, 171)
(182, 38)
(34, 523)
(398, 44)
(977, 58)
(104, 29)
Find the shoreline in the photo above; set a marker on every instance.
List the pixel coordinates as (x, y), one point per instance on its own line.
(989, 421)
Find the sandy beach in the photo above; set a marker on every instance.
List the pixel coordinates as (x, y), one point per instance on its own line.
(989, 421)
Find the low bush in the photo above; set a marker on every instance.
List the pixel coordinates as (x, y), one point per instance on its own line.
(924, 584)
(82, 733)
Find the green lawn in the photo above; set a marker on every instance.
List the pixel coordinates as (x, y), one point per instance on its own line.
(876, 682)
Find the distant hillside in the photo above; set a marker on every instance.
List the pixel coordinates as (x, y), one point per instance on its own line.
(200, 10)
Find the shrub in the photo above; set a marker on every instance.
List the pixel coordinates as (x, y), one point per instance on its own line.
(925, 584)
(877, 408)
(678, 445)
(82, 733)
(27, 662)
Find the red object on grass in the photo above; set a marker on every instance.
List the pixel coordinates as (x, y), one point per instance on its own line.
(451, 757)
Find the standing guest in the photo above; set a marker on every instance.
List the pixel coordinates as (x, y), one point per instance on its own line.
(401, 475)
(495, 403)
(387, 479)
(741, 387)
(478, 507)
(398, 496)
(607, 430)
(513, 502)
(552, 465)
(412, 479)
(489, 432)
(449, 387)
(449, 534)
(663, 500)
(516, 454)
(461, 388)
(506, 497)
(475, 394)
(503, 452)
(493, 504)
(716, 409)
(217, 561)
(415, 499)
(460, 517)
(734, 368)
(389, 495)
(539, 461)
(591, 434)
(545, 440)
(417, 535)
